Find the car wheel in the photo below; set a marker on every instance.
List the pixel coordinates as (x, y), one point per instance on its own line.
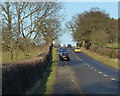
(60, 59)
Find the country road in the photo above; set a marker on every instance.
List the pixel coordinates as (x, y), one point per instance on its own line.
(83, 75)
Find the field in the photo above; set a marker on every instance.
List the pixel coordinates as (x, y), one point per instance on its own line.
(6, 56)
(112, 45)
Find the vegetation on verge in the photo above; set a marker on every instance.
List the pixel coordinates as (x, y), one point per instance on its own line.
(52, 77)
(46, 85)
(103, 59)
(20, 77)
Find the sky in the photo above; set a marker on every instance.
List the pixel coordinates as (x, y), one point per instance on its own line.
(73, 8)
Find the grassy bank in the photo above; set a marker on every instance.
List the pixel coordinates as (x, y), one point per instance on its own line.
(52, 76)
(6, 56)
(46, 85)
(112, 45)
(105, 60)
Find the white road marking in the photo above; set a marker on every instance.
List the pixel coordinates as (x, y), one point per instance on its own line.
(105, 75)
(100, 72)
(94, 70)
(112, 79)
(91, 68)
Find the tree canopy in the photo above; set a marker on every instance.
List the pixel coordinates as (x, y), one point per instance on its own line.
(93, 25)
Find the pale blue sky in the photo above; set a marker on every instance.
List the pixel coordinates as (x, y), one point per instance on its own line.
(73, 8)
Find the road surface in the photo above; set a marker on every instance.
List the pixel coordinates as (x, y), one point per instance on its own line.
(83, 75)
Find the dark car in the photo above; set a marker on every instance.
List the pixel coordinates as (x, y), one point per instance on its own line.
(62, 49)
(69, 46)
(64, 56)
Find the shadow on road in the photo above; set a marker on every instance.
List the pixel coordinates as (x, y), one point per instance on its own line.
(106, 87)
(70, 63)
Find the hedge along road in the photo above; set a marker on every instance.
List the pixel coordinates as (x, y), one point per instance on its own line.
(83, 75)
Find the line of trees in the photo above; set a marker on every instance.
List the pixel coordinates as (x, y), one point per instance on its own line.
(94, 26)
(26, 24)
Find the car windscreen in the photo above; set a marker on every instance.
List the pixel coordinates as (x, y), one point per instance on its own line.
(61, 50)
(64, 54)
(77, 48)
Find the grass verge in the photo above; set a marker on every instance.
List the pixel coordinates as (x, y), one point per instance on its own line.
(52, 76)
(105, 60)
(46, 85)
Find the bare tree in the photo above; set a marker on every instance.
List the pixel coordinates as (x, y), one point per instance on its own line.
(7, 27)
(26, 22)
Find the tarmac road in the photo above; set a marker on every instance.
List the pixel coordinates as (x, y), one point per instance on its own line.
(84, 75)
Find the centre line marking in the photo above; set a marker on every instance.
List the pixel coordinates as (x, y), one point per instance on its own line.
(105, 75)
(92, 68)
(100, 72)
(112, 79)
